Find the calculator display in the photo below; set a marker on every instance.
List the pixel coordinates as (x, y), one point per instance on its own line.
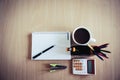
(90, 66)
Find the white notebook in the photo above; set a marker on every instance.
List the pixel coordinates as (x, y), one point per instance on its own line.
(43, 40)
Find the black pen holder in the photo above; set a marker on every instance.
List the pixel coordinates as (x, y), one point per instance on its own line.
(80, 50)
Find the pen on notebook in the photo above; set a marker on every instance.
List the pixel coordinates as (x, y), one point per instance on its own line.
(43, 51)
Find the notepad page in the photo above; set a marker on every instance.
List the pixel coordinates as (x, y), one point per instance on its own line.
(43, 40)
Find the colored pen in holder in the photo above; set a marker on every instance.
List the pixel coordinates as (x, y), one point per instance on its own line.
(99, 51)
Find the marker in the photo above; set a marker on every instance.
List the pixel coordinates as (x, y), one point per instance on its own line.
(43, 51)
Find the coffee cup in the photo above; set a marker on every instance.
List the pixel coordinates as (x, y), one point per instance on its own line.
(82, 36)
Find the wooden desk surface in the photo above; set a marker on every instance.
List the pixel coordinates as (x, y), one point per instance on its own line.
(18, 18)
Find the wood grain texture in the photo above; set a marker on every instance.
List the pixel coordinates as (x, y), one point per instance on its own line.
(18, 18)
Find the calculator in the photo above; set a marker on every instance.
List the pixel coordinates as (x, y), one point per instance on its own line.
(84, 66)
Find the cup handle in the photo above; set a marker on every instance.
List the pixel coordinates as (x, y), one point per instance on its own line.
(93, 40)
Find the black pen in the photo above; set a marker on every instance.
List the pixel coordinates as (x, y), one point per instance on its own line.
(43, 51)
(95, 52)
(98, 56)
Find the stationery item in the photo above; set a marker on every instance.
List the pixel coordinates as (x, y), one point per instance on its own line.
(80, 50)
(84, 66)
(43, 40)
(98, 55)
(54, 67)
(105, 51)
(90, 47)
(103, 55)
(82, 36)
(94, 52)
(98, 50)
(43, 51)
(103, 45)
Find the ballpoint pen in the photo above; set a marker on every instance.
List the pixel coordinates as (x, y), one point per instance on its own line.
(103, 55)
(98, 55)
(43, 51)
(93, 50)
(98, 50)
(106, 51)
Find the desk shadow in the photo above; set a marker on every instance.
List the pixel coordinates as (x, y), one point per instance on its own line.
(72, 42)
(29, 46)
(70, 67)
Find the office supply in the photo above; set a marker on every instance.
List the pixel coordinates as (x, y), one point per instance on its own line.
(90, 47)
(94, 52)
(43, 51)
(54, 67)
(42, 40)
(98, 50)
(80, 50)
(84, 66)
(103, 55)
(105, 51)
(98, 56)
(103, 45)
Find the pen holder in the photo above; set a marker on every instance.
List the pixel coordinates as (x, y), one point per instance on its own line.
(80, 50)
(89, 50)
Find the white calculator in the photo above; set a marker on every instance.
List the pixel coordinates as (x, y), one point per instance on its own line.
(83, 66)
